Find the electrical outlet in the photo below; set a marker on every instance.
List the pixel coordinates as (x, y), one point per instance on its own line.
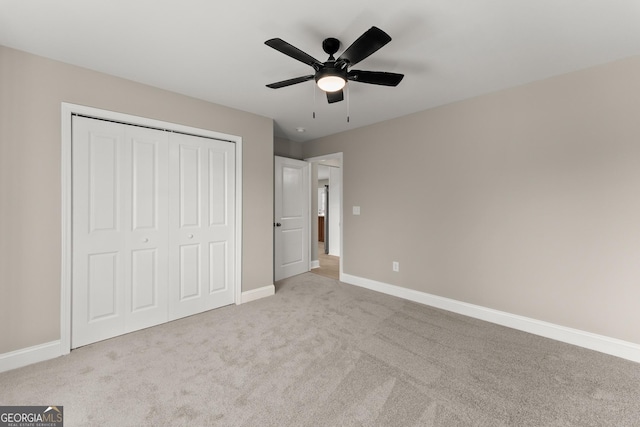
(396, 266)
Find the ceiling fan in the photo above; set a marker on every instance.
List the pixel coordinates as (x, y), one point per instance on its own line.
(331, 76)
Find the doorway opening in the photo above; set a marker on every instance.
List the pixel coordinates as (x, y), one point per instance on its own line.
(326, 215)
(328, 265)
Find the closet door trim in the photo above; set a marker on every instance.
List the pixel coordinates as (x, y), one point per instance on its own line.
(67, 111)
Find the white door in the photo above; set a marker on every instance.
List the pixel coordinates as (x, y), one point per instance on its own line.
(202, 228)
(153, 227)
(291, 217)
(119, 229)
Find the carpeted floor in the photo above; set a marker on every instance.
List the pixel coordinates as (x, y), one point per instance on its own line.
(321, 353)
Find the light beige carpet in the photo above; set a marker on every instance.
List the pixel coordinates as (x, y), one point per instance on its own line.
(321, 353)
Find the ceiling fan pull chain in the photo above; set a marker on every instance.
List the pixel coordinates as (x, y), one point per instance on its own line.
(348, 100)
(314, 101)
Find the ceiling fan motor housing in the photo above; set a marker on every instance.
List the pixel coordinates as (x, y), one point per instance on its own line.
(331, 45)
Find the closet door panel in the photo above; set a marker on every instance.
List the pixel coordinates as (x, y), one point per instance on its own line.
(147, 227)
(221, 227)
(201, 186)
(98, 271)
(120, 226)
(186, 192)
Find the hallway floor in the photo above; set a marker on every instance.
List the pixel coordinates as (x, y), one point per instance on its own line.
(329, 264)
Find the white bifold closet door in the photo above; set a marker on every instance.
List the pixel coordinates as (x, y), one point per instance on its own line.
(201, 224)
(153, 227)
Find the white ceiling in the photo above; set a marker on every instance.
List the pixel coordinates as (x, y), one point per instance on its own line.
(214, 50)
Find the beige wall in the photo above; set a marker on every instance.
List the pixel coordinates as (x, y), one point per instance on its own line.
(31, 90)
(525, 200)
(285, 148)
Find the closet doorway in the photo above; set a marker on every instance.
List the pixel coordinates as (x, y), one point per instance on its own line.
(153, 224)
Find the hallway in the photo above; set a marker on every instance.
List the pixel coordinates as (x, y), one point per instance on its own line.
(329, 264)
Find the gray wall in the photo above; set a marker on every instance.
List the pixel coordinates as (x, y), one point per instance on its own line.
(31, 90)
(285, 148)
(525, 200)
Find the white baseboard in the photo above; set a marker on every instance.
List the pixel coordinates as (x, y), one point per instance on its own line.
(315, 264)
(615, 347)
(254, 294)
(27, 356)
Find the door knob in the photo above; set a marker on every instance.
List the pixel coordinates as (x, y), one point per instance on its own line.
(277, 224)
(145, 240)
(190, 236)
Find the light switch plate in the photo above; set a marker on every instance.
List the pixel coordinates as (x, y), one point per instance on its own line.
(356, 210)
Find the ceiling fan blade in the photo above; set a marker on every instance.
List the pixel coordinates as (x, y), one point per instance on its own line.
(290, 82)
(372, 40)
(375, 77)
(292, 51)
(336, 96)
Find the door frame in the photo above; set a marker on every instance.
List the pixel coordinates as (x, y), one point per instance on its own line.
(340, 157)
(67, 111)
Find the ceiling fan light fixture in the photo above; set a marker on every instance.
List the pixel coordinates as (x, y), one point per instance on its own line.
(331, 83)
(331, 79)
